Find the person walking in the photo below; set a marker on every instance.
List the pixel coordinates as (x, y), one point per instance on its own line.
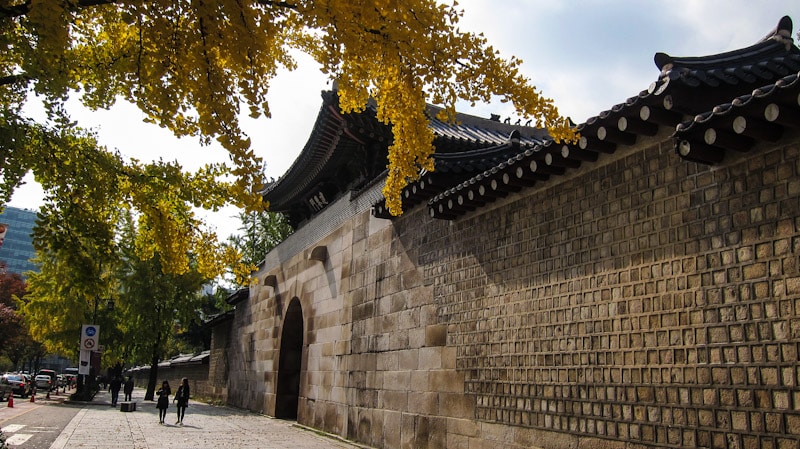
(163, 401)
(182, 398)
(115, 385)
(128, 389)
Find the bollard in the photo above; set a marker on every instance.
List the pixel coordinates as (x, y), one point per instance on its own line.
(11, 401)
(33, 397)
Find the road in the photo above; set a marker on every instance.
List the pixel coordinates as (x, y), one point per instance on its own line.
(30, 425)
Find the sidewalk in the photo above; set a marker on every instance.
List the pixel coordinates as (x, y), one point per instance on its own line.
(98, 425)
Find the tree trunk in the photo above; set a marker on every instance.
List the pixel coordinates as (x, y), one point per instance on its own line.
(153, 379)
(15, 358)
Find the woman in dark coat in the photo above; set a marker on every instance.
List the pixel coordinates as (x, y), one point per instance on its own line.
(163, 401)
(182, 397)
(127, 388)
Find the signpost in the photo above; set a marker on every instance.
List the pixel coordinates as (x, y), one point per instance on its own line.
(90, 337)
(89, 358)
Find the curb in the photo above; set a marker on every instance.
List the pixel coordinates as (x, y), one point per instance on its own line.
(63, 438)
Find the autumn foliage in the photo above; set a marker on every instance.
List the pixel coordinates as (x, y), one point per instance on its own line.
(15, 342)
(192, 66)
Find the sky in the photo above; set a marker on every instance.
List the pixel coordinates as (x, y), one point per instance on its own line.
(587, 55)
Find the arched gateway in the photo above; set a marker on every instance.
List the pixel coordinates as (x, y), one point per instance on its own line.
(289, 365)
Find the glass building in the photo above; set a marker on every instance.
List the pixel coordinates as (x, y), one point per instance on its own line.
(17, 250)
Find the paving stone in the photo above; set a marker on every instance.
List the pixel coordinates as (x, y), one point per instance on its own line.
(97, 426)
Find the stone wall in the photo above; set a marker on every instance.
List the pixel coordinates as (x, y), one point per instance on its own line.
(197, 375)
(250, 368)
(641, 301)
(218, 366)
(650, 301)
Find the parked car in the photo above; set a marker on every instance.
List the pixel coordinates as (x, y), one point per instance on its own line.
(53, 377)
(43, 382)
(6, 389)
(18, 384)
(29, 381)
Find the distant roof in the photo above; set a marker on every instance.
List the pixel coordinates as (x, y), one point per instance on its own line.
(238, 296)
(199, 358)
(345, 152)
(219, 318)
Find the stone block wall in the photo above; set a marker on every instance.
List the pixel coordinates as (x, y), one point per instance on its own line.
(196, 373)
(218, 367)
(250, 356)
(642, 301)
(649, 301)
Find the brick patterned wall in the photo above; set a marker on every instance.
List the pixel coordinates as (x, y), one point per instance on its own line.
(651, 301)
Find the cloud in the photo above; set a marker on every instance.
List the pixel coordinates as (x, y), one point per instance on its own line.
(590, 55)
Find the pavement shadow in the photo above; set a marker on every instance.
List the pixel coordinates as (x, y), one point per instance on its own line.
(103, 398)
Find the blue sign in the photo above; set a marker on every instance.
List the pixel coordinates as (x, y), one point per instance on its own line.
(90, 331)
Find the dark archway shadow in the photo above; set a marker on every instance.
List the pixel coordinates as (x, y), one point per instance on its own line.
(289, 365)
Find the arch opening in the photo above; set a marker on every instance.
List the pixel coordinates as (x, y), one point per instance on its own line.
(290, 361)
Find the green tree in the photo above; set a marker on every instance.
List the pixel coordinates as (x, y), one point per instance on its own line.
(152, 305)
(258, 234)
(196, 337)
(75, 280)
(155, 306)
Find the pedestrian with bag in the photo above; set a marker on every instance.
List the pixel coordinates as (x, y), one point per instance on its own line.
(182, 398)
(163, 401)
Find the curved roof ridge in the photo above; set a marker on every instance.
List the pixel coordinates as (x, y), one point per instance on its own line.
(777, 43)
(311, 150)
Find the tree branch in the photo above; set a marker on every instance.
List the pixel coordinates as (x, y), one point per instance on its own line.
(10, 12)
(280, 4)
(13, 79)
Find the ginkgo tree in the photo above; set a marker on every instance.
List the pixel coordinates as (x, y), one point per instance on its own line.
(195, 67)
(74, 286)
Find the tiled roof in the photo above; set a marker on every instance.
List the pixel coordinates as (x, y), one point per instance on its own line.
(479, 160)
(201, 358)
(464, 148)
(237, 296)
(763, 62)
(710, 88)
(471, 132)
(320, 148)
(761, 115)
(343, 152)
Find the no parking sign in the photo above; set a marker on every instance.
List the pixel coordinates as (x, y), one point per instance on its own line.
(90, 337)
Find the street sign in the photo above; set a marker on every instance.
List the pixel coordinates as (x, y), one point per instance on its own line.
(90, 337)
